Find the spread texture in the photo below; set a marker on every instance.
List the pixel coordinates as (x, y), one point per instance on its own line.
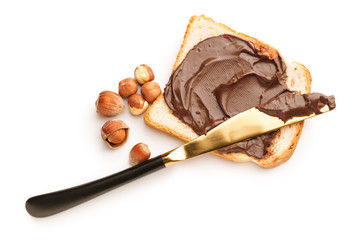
(225, 75)
(220, 77)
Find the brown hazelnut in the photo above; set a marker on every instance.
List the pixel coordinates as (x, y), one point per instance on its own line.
(109, 104)
(115, 133)
(151, 91)
(139, 153)
(127, 87)
(137, 104)
(143, 74)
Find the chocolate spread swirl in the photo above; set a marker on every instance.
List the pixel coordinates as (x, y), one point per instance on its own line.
(220, 77)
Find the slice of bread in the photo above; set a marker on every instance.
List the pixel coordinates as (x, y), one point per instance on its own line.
(299, 79)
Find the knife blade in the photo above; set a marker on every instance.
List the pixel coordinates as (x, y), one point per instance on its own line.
(242, 126)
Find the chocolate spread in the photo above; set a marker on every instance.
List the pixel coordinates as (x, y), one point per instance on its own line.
(220, 77)
(297, 105)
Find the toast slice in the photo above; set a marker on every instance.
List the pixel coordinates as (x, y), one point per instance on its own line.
(299, 79)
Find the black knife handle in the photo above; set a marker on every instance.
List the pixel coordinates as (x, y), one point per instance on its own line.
(55, 202)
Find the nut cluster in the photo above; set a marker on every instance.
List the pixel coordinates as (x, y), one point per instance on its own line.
(150, 90)
(109, 104)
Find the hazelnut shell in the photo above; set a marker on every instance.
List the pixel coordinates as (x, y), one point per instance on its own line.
(115, 133)
(143, 74)
(137, 104)
(109, 104)
(151, 91)
(139, 153)
(127, 87)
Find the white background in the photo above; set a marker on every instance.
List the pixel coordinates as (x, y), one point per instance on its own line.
(55, 58)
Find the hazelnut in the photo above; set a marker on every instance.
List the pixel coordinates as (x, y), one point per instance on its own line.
(151, 91)
(115, 133)
(137, 104)
(139, 153)
(127, 87)
(109, 104)
(143, 74)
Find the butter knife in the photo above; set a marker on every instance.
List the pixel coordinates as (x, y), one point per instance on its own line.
(242, 126)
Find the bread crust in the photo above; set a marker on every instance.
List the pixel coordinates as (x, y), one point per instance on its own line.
(299, 79)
